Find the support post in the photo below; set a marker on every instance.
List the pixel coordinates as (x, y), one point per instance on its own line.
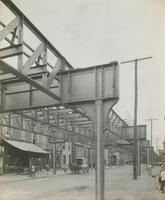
(139, 158)
(99, 151)
(152, 149)
(151, 146)
(54, 158)
(109, 157)
(91, 156)
(44, 76)
(148, 155)
(30, 164)
(135, 127)
(20, 41)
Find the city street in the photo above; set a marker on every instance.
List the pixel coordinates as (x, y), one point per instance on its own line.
(118, 186)
(79, 110)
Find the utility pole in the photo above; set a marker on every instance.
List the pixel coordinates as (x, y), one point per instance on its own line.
(151, 120)
(135, 144)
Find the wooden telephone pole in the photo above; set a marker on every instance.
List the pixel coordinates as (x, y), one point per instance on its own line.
(135, 144)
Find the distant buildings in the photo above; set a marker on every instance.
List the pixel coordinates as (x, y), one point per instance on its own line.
(37, 149)
(162, 153)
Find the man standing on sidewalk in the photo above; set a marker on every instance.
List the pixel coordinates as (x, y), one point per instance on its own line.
(162, 178)
(33, 171)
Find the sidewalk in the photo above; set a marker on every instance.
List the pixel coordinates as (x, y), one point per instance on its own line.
(121, 186)
(9, 178)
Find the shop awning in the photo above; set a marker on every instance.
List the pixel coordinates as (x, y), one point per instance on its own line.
(25, 146)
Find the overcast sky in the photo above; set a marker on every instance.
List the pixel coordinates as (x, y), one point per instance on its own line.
(92, 32)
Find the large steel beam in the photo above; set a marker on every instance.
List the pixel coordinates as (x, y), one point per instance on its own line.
(28, 80)
(11, 51)
(35, 72)
(80, 85)
(127, 132)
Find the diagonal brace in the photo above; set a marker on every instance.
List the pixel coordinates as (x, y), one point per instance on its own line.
(28, 80)
(53, 74)
(32, 58)
(9, 28)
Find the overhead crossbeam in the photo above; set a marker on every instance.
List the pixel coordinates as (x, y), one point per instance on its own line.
(28, 80)
(54, 129)
(115, 123)
(11, 51)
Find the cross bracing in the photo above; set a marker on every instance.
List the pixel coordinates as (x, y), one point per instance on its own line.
(41, 94)
(31, 90)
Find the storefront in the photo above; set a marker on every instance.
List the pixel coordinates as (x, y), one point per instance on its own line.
(18, 156)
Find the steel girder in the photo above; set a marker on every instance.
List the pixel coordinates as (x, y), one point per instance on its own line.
(33, 86)
(58, 129)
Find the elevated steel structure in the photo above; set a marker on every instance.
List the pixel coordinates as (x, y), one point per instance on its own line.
(56, 100)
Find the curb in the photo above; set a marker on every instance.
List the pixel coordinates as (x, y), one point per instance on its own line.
(31, 178)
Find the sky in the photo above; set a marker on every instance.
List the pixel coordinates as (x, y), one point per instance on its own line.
(93, 32)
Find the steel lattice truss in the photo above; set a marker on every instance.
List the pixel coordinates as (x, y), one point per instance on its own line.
(31, 89)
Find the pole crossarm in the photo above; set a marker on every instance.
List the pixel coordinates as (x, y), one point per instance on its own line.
(137, 59)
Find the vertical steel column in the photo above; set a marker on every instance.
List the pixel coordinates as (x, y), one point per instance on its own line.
(9, 129)
(91, 155)
(44, 76)
(109, 157)
(151, 146)
(20, 41)
(54, 158)
(135, 127)
(148, 154)
(139, 158)
(99, 151)
(30, 163)
(1, 129)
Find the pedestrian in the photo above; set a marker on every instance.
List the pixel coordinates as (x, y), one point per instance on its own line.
(33, 170)
(162, 178)
(47, 168)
